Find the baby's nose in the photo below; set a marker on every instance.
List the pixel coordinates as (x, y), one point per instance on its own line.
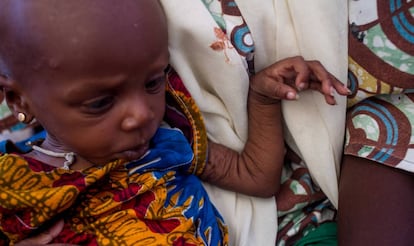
(137, 115)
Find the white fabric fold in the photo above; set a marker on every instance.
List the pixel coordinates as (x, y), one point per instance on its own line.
(316, 30)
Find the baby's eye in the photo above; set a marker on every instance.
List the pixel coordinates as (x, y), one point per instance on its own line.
(156, 85)
(99, 105)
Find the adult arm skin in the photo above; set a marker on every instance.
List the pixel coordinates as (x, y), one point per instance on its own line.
(257, 169)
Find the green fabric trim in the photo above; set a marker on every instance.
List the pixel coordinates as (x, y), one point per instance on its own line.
(325, 234)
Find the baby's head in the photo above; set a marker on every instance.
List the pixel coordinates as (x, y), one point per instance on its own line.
(90, 71)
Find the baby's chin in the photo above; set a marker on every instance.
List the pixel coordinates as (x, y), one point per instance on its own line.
(132, 154)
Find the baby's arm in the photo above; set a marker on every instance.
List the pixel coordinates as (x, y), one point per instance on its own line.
(257, 169)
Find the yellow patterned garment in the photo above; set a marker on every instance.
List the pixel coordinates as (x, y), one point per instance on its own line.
(151, 201)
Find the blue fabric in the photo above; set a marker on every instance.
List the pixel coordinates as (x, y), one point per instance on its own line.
(170, 151)
(7, 146)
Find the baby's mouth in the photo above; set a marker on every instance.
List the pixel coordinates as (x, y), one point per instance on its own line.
(135, 153)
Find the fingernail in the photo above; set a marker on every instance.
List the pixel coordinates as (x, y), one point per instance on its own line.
(348, 90)
(301, 86)
(332, 91)
(292, 96)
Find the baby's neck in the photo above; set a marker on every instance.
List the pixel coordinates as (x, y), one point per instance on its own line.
(60, 159)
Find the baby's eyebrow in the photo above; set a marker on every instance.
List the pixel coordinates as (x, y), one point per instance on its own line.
(86, 87)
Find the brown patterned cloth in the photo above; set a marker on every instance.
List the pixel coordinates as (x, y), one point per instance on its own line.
(302, 206)
(380, 119)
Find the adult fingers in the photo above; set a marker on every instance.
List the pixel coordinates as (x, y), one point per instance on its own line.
(330, 83)
(294, 70)
(273, 87)
(317, 86)
(319, 73)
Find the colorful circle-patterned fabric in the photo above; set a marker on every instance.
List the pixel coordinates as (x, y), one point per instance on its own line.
(380, 118)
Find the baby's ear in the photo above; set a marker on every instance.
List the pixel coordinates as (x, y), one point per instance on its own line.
(10, 91)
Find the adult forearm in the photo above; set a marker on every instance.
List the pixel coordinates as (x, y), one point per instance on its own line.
(257, 169)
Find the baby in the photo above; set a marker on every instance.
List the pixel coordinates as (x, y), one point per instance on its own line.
(114, 165)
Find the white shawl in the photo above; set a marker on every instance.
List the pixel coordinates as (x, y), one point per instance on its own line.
(314, 29)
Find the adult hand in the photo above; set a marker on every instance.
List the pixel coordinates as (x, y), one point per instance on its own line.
(283, 80)
(45, 237)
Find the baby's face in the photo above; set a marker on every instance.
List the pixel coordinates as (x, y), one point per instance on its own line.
(100, 87)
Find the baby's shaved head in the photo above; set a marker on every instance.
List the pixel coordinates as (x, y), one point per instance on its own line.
(43, 35)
